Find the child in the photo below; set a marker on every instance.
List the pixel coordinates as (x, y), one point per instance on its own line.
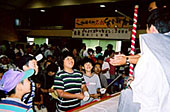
(92, 80)
(15, 84)
(97, 70)
(38, 99)
(47, 80)
(70, 85)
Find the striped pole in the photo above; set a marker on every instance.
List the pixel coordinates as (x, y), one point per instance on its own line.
(132, 52)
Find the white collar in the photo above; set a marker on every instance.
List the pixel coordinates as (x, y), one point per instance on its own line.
(168, 33)
(14, 99)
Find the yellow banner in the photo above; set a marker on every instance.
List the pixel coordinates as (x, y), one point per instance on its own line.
(103, 22)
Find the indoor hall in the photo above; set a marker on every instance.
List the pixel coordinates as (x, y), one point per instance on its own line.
(51, 27)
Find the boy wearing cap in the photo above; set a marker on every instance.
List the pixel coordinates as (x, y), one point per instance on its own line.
(15, 84)
(70, 85)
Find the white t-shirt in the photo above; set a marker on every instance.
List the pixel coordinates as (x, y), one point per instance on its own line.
(150, 86)
(104, 66)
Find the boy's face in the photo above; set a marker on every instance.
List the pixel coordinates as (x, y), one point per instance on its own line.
(32, 64)
(97, 69)
(74, 51)
(26, 86)
(68, 62)
(88, 67)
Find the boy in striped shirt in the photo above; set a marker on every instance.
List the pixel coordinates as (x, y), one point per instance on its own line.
(70, 85)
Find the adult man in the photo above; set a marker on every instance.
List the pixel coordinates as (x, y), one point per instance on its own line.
(122, 59)
(15, 84)
(70, 85)
(151, 85)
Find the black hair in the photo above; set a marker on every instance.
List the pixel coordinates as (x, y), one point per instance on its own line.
(2, 94)
(52, 67)
(110, 46)
(36, 80)
(13, 91)
(2, 70)
(112, 51)
(83, 45)
(25, 60)
(85, 60)
(90, 50)
(98, 64)
(98, 48)
(50, 56)
(160, 19)
(100, 58)
(64, 55)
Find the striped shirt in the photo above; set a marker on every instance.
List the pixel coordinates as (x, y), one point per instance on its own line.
(28, 98)
(14, 105)
(71, 83)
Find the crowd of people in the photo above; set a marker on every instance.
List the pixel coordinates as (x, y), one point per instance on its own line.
(30, 77)
(51, 65)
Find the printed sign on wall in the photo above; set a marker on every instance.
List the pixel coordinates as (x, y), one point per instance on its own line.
(103, 22)
(107, 33)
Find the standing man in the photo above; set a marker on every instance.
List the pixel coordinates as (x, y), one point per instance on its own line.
(151, 85)
(15, 84)
(153, 9)
(70, 85)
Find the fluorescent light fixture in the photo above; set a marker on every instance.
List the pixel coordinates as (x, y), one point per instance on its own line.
(102, 6)
(30, 39)
(42, 10)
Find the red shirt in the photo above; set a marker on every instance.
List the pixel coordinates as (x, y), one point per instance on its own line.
(112, 68)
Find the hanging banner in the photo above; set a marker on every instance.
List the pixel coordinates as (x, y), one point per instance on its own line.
(107, 33)
(103, 22)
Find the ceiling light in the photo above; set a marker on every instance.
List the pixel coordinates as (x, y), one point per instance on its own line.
(102, 6)
(42, 10)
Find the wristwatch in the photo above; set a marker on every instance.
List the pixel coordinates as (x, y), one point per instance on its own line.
(127, 61)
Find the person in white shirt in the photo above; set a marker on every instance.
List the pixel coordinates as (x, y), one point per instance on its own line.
(105, 66)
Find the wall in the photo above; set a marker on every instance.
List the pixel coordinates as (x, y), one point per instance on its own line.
(7, 31)
(90, 43)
